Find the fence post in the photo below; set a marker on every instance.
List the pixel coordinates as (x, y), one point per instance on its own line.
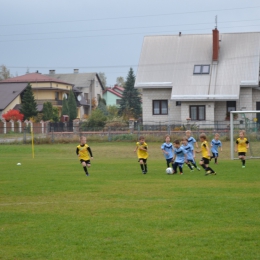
(24, 135)
(19, 126)
(4, 122)
(12, 125)
(138, 130)
(42, 125)
(109, 134)
(52, 134)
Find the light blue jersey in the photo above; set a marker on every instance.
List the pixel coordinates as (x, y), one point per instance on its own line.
(215, 145)
(192, 141)
(189, 149)
(168, 147)
(180, 154)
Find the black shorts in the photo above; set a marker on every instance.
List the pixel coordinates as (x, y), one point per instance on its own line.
(142, 159)
(241, 154)
(87, 162)
(205, 160)
(169, 160)
(215, 155)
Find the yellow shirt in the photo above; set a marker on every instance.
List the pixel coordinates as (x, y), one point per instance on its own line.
(204, 150)
(141, 153)
(83, 152)
(242, 145)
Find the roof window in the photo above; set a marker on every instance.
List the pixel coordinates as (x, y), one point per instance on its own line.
(201, 69)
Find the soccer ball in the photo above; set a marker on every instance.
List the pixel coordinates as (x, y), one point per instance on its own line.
(19, 164)
(169, 170)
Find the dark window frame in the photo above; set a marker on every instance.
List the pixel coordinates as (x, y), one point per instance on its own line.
(160, 107)
(201, 69)
(178, 103)
(231, 104)
(197, 112)
(57, 95)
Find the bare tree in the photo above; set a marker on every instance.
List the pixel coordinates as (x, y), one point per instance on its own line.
(120, 81)
(103, 78)
(4, 73)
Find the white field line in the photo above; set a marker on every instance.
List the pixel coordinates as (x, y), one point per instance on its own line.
(79, 201)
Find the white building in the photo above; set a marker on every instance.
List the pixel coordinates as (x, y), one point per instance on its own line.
(202, 76)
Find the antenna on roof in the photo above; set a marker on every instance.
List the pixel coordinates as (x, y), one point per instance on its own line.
(216, 21)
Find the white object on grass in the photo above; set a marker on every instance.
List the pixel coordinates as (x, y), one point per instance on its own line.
(169, 170)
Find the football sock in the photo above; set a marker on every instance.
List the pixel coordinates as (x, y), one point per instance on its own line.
(189, 166)
(203, 166)
(142, 167)
(85, 169)
(194, 164)
(168, 165)
(145, 167)
(209, 169)
(216, 160)
(180, 168)
(243, 162)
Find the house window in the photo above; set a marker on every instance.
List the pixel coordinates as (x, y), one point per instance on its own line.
(201, 69)
(178, 103)
(160, 107)
(197, 113)
(231, 106)
(56, 95)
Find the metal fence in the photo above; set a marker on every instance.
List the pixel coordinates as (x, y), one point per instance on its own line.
(54, 132)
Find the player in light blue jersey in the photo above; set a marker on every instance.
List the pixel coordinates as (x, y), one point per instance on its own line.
(191, 139)
(180, 156)
(215, 144)
(167, 149)
(190, 154)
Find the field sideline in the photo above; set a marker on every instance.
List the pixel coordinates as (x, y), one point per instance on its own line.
(51, 210)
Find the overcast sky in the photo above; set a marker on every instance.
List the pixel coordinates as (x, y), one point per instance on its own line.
(106, 35)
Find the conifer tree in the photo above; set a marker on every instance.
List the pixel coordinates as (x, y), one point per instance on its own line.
(29, 105)
(72, 106)
(130, 104)
(47, 111)
(65, 107)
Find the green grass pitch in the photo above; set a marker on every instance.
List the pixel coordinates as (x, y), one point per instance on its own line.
(49, 209)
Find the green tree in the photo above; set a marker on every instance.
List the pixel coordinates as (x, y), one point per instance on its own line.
(97, 119)
(130, 104)
(102, 105)
(65, 107)
(112, 111)
(47, 111)
(29, 105)
(55, 117)
(72, 106)
(4, 73)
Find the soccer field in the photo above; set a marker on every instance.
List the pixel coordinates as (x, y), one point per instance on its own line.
(51, 210)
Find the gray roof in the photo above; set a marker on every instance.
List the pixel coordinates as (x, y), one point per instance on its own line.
(168, 62)
(9, 91)
(80, 80)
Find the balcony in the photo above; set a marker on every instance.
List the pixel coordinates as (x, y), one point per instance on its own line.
(53, 102)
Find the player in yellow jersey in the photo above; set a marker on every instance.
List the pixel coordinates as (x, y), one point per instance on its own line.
(204, 162)
(84, 153)
(242, 144)
(142, 154)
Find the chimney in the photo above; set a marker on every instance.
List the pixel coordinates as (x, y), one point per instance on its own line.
(51, 72)
(215, 33)
(76, 71)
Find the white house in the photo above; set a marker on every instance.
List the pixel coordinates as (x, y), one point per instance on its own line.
(200, 76)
